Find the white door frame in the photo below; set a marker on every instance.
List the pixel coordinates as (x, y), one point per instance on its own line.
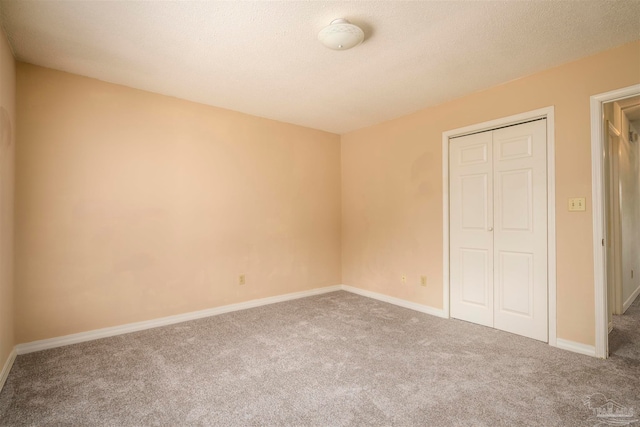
(598, 206)
(547, 113)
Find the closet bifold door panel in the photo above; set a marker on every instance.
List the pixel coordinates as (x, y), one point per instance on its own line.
(520, 231)
(471, 220)
(498, 229)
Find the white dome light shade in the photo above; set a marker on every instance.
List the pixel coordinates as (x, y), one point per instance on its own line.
(341, 35)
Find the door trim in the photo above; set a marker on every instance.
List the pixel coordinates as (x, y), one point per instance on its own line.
(547, 113)
(598, 206)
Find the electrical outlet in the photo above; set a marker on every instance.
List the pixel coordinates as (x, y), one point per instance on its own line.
(423, 280)
(242, 279)
(404, 279)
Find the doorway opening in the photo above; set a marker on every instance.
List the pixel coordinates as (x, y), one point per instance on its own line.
(615, 119)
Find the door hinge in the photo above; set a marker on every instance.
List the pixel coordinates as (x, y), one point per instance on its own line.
(602, 242)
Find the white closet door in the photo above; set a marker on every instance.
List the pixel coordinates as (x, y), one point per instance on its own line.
(520, 230)
(471, 257)
(498, 229)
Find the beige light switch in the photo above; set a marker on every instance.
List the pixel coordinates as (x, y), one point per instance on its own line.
(577, 204)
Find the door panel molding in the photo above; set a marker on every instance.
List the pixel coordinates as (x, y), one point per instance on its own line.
(547, 113)
(513, 219)
(504, 272)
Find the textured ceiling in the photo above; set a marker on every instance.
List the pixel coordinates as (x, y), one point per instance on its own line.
(263, 57)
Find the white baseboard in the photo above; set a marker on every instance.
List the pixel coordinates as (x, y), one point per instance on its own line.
(163, 321)
(576, 347)
(7, 367)
(630, 300)
(170, 320)
(396, 301)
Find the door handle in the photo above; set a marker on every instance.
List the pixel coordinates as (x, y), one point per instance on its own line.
(490, 228)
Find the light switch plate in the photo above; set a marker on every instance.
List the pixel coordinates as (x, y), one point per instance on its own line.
(577, 204)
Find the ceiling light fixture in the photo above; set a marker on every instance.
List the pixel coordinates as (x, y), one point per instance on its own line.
(341, 34)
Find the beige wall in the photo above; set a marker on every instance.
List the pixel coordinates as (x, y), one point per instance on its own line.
(392, 186)
(7, 144)
(133, 206)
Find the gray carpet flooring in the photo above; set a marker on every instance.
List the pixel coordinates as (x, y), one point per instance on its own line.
(336, 359)
(624, 339)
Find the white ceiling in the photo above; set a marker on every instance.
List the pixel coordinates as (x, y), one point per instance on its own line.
(263, 57)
